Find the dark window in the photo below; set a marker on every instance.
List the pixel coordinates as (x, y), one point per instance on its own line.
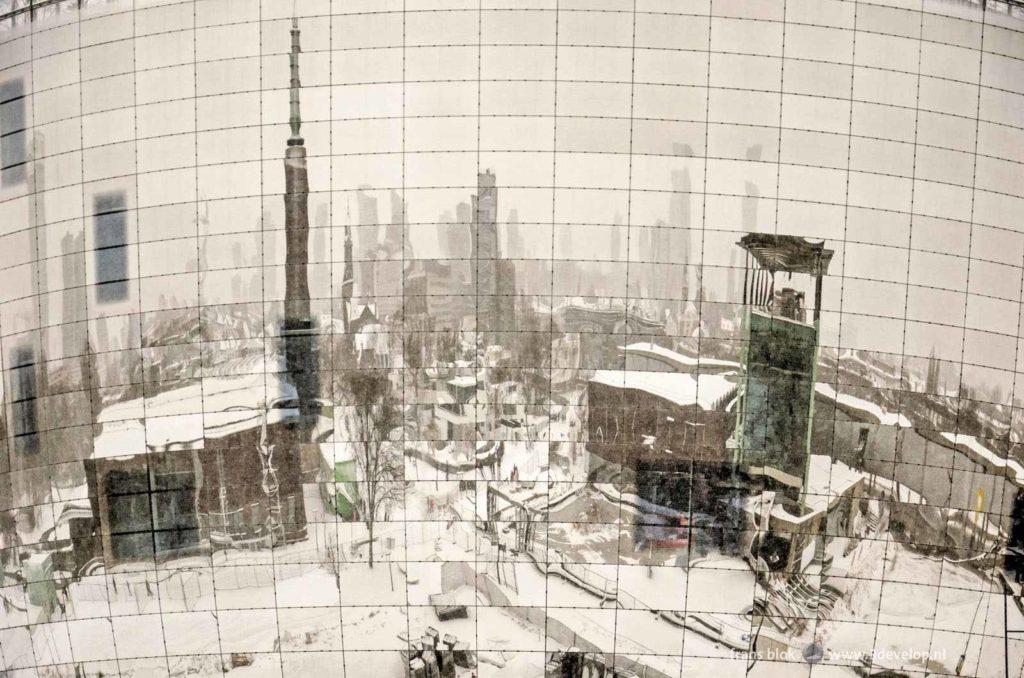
(111, 247)
(23, 400)
(174, 515)
(13, 144)
(128, 514)
(152, 511)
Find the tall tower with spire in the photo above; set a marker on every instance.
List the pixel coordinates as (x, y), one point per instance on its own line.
(298, 327)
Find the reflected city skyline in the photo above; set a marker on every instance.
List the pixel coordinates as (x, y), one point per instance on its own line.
(601, 338)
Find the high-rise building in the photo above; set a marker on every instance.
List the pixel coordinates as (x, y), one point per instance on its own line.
(367, 207)
(366, 241)
(516, 247)
(679, 218)
(394, 232)
(461, 232)
(485, 250)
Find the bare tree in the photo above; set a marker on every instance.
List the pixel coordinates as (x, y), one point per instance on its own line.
(375, 413)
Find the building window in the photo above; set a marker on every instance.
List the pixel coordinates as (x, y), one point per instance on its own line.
(23, 401)
(151, 508)
(13, 144)
(172, 479)
(111, 247)
(129, 519)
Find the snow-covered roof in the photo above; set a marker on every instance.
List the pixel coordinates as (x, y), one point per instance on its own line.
(987, 457)
(704, 390)
(463, 381)
(336, 438)
(883, 416)
(184, 417)
(678, 359)
(827, 481)
(975, 447)
(357, 309)
(779, 318)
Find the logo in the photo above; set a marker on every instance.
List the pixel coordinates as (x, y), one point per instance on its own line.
(814, 653)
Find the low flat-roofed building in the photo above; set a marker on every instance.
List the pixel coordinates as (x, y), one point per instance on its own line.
(213, 463)
(634, 414)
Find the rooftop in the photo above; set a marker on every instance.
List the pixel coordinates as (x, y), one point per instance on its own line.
(704, 390)
(463, 381)
(827, 481)
(987, 457)
(674, 358)
(787, 253)
(182, 418)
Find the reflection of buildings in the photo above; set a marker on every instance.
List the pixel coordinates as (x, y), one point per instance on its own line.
(679, 218)
(440, 295)
(566, 359)
(394, 232)
(72, 302)
(954, 508)
(298, 323)
(369, 224)
(589, 324)
(581, 315)
(655, 244)
(182, 471)
(348, 281)
(650, 356)
(638, 415)
(493, 276)
(772, 437)
(437, 295)
(217, 463)
(370, 346)
(460, 241)
(796, 494)
(485, 248)
(933, 379)
(380, 251)
(515, 242)
(457, 413)
(671, 420)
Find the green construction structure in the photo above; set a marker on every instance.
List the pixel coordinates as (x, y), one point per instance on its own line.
(339, 487)
(772, 437)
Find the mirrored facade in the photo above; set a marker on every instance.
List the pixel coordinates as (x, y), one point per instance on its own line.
(465, 338)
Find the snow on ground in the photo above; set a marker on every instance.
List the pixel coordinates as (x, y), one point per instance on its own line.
(633, 632)
(909, 622)
(720, 585)
(511, 665)
(304, 617)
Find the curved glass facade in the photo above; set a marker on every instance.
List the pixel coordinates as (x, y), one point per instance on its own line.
(512, 339)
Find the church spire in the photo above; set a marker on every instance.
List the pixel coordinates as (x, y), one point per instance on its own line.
(294, 118)
(348, 283)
